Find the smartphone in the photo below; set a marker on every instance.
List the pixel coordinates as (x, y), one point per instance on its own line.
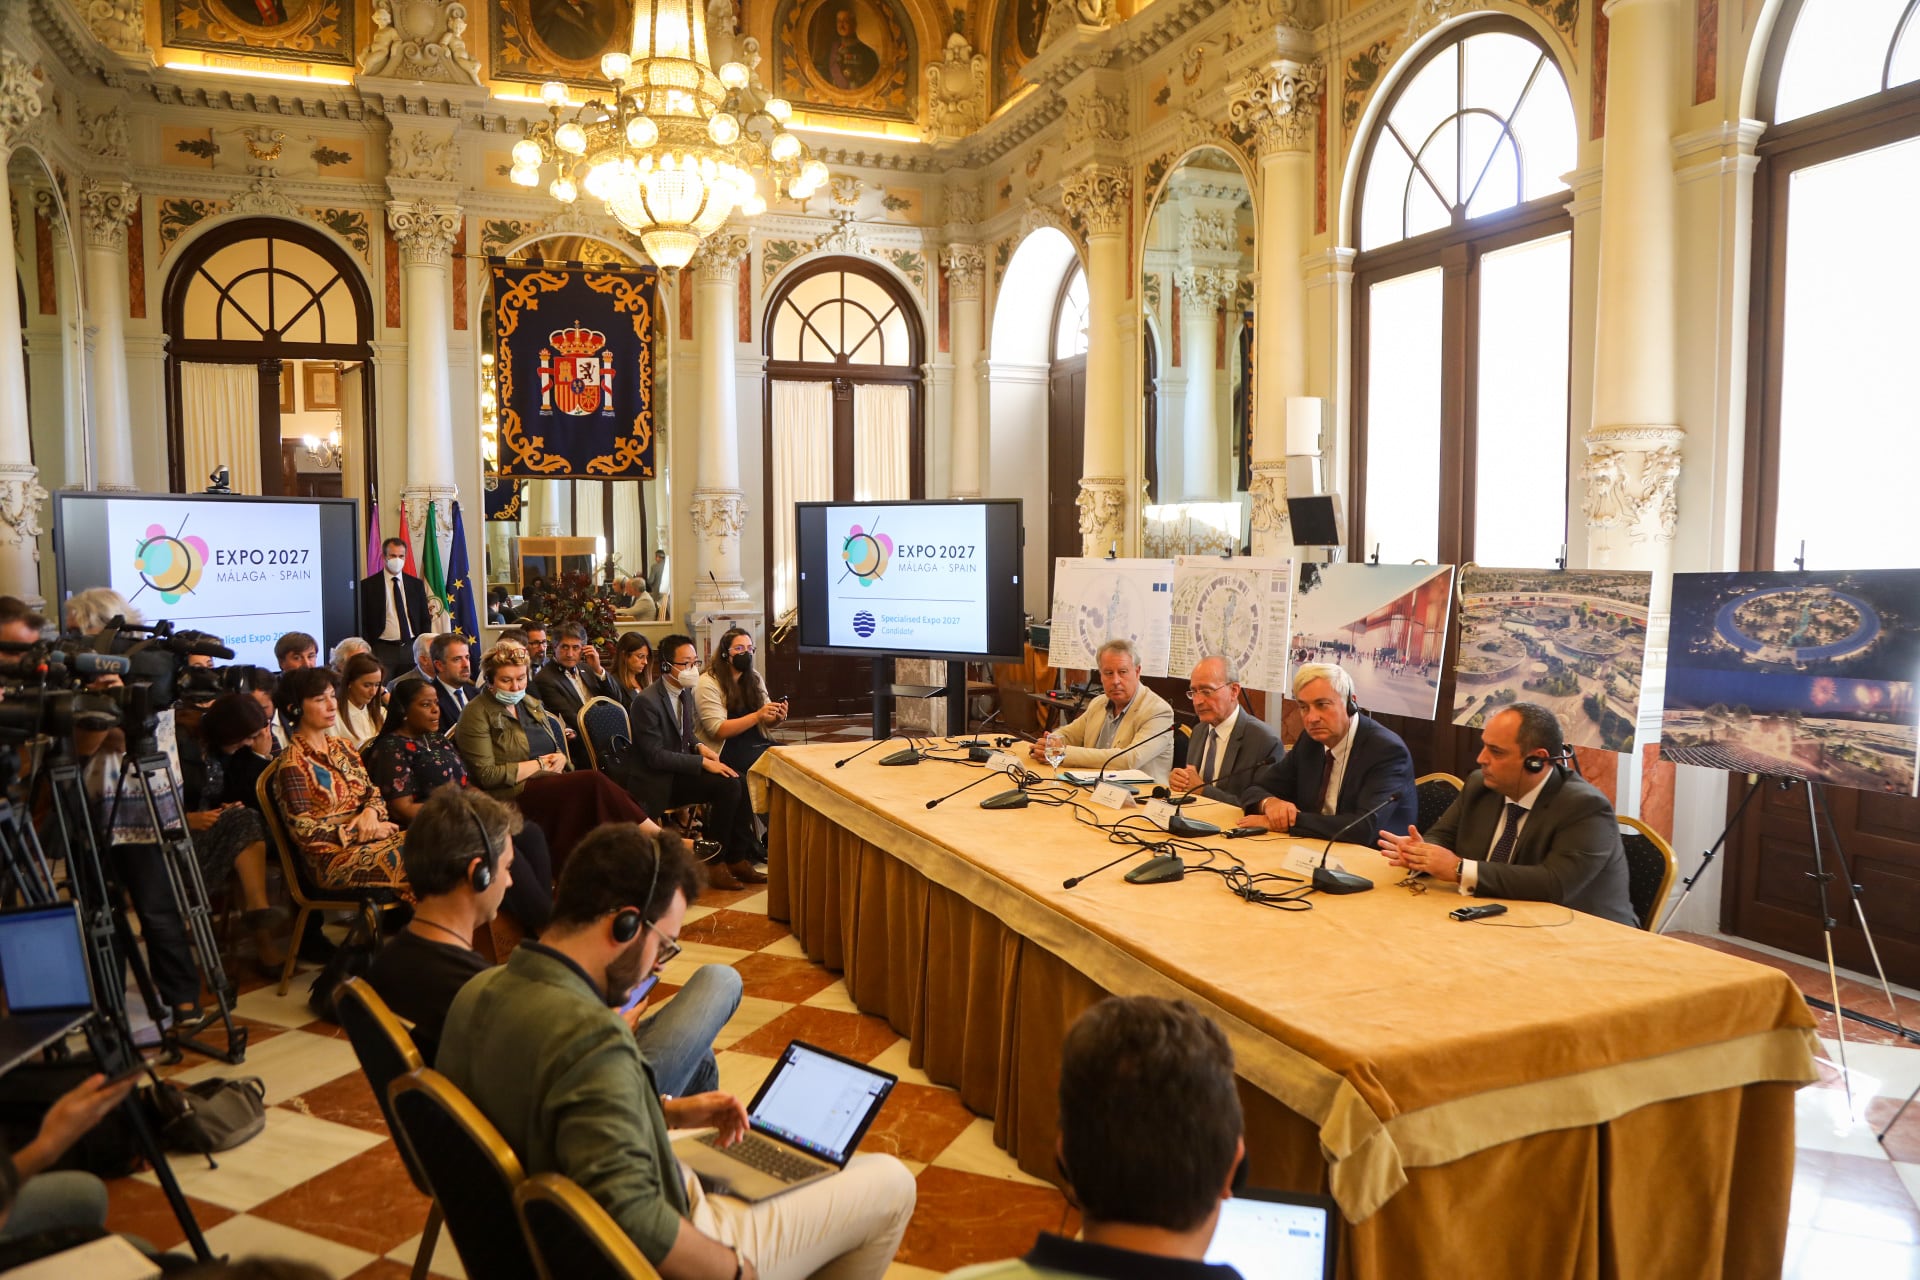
(133, 1072)
(640, 993)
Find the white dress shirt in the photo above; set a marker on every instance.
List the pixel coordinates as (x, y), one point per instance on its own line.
(395, 628)
(1337, 756)
(1221, 732)
(1470, 870)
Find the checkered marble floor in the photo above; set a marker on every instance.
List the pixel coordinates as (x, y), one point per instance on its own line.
(325, 1184)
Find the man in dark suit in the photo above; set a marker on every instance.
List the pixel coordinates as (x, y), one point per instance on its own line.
(676, 768)
(564, 685)
(1523, 828)
(452, 677)
(1229, 746)
(393, 609)
(1343, 765)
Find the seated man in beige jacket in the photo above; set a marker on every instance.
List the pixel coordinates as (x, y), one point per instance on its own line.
(1124, 714)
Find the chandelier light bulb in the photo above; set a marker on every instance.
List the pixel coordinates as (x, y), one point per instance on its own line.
(734, 75)
(642, 131)
(571, 138)
(525, 175)
(723, 129)
(780, 109)
(785, 146)
(553, 93)
(615, 66)
(527, 152)
(563, 190)
(815, 173)
(754, 205)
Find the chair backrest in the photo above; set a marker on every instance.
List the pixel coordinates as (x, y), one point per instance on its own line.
(470, 1171)
(1436, 793)
(601, 720)
(386, 1053)
(1650, 869)
(292, 866)
(572, 1237)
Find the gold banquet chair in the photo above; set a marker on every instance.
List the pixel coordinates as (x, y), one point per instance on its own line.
(386, 1053)
(471, 1169)
(572, 1237)
(308, 896)
(1650, 870)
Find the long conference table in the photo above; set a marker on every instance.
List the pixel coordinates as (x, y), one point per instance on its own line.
(1542, 1095)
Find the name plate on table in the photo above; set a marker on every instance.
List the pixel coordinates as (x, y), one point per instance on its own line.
(1305, 858)
(1160, 811)
(1111, 795)
(1000, 762)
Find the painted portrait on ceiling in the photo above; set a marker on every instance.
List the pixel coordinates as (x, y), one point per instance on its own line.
(299, 30)
(574, 29)
(850, 56)
(1017, 25)
(539, 40)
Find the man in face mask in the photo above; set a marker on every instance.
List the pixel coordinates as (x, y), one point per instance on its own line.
(393, 609)
(677, 768)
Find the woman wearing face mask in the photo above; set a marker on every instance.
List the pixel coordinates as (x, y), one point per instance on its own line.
(735, 713)
(515, 750)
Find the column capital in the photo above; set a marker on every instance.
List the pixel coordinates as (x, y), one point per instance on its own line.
(1206, 288)
(1103, 510)
(20, 103)
(719, 257)
(1631, 478)
(1268, 490)
(21, 496)
(1279, 102)
(717, 513)
(1102, 196)
(966, 266)
(106, 208)
(425, 230)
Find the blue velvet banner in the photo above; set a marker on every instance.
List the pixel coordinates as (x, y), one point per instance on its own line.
(573, 362)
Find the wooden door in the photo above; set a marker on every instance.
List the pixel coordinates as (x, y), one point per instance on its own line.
(1066, 458)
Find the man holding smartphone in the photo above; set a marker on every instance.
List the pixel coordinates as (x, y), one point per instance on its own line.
(460, 833)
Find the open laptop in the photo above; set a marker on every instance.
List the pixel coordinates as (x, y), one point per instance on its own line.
(1276, 1235)
(806, 1120)
(44, 974)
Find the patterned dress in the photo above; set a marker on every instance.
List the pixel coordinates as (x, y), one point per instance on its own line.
(412, 767)
(319, 794)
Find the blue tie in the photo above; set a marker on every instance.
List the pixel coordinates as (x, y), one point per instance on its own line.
(1503, 847)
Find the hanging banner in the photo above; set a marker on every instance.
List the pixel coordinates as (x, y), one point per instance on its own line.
(574, 371)
(502, 498)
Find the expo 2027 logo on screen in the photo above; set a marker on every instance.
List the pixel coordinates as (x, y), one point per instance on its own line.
(866, 553)
(169, 563)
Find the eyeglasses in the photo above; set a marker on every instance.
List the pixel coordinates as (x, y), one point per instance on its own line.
(682, 666)
(1203, 691)
(669, 947)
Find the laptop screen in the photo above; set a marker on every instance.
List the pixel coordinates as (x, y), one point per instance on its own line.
(819, 1102)
(42, 960)
(1271, 1235)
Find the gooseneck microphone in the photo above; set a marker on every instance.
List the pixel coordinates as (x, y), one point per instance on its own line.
(1074, 880)
(1331, 880)
(986, 777)
(1188, 797)
(862, 751)
(976, 740)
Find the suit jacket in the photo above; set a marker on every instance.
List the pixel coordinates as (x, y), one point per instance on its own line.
(656, 742)
(1568, 852)
(1252, 743)
(1145, 716)
(1379, 766)
(451, 706)
(373, 607)
(555, 692)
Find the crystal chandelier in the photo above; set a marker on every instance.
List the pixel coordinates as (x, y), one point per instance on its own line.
(679, 147)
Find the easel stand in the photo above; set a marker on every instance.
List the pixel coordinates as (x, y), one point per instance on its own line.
(1754, 783)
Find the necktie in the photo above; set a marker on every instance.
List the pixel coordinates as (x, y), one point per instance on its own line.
(400, 610)
(1326, 780)
(686, 720)
(1503, 847)
(1206, 756)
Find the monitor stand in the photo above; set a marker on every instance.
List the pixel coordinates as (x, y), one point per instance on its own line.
(885, 691)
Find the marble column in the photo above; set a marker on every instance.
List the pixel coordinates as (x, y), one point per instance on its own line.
(1102, 196)
(1279, 101)
(1633, 449)
(719, 509)
(1203, 290)
(105, 209)
(966, 266)
(21, 494)
(425, 232)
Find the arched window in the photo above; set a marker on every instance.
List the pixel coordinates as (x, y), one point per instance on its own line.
(269, 327)
(1070, 316)
(1837, 267)
(843, 406)
(1462, 305)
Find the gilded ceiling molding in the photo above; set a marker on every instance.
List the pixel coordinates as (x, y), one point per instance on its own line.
(957, 90)
(20, 104)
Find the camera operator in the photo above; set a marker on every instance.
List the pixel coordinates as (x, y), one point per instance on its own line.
(18, 623)
(224, 747)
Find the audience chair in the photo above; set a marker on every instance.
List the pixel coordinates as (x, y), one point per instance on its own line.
(601, 722)
(572, 1237)
(470, 1170)
(1436, 793)
(308, 896)
(386, 1053)
(1650, 870)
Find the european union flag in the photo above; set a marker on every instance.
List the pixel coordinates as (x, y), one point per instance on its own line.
(462, 597)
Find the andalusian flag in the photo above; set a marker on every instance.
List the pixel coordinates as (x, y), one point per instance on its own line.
(430, 558)
(462, 596)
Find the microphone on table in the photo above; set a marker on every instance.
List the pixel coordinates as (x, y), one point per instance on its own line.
(988, 776)
(1181, 825)
(909, 754)
(1074, 880)
(1332, 880)
(862, 751)
(976, 740)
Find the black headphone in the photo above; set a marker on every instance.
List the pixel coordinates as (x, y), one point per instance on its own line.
(627, 921)
(1534, 764)
(482, 875)
(1353, 705)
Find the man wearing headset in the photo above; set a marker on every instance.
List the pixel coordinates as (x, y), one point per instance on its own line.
(1523, 828)
(459, 857)
(539, 1045)
(1344, 765)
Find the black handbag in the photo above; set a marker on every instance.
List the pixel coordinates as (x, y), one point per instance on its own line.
(209, 1115)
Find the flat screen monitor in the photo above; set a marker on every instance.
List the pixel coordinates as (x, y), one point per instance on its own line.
(911, 579)
(1318, 520)
(245, 569)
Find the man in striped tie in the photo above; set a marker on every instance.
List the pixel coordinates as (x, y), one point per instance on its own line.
(1524, 828)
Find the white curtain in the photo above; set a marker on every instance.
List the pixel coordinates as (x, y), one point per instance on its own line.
(882, 443)
(802, 470)
(220, 423)
(589, 509)
(629, 538)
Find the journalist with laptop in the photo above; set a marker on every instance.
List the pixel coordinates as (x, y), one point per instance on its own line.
(539, 1046)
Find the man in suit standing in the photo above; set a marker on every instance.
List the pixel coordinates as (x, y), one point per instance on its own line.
(1228, 746)
(452, 677)
(1343, 764)
(1125, 713)
(1523, 828)
(564, 685)
(676, 768)
(393, 609)
(656, 574)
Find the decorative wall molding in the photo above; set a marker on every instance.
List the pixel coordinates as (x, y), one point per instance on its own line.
(966, 266)
(1103, 509)
(21, 497)
(105, 210)
(1272, 531)
(422, 155)
(103, 133)
(120, 25)
(1631, 480)
(717, 513)
(420, 40)
(1097, 117)
(957, 90)
(20, 104)
(264, 196)
(1279, 103)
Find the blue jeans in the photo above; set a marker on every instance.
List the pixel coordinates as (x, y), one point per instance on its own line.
(678, 1041)
(53, 1201)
